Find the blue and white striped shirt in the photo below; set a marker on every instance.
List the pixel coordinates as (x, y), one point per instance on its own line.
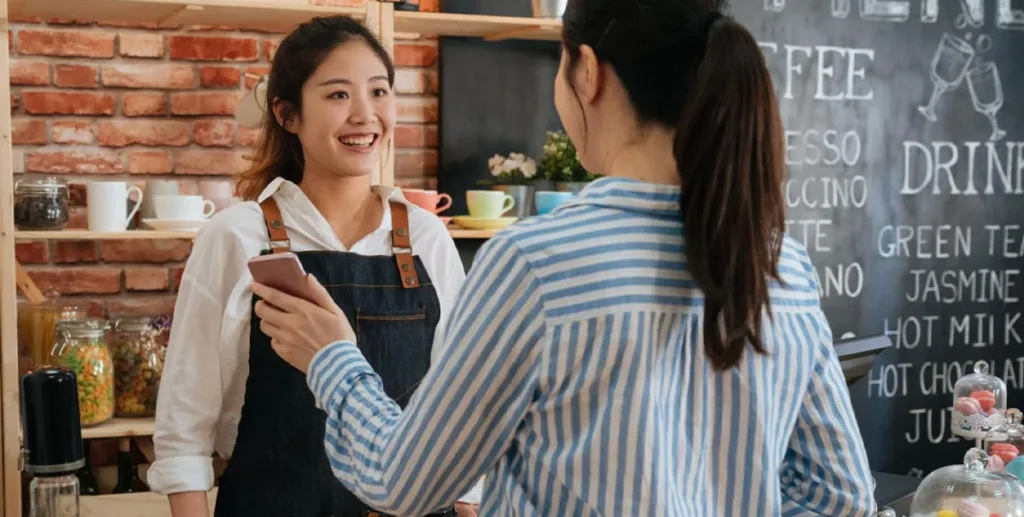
(575, 379)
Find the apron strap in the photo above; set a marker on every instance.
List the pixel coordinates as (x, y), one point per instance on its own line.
(279, 241)
(401, 245)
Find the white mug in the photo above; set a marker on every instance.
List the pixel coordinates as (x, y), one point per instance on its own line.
(183, 208)
(105, 202)
(156, 188)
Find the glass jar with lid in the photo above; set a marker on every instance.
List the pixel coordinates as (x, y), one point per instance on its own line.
(1005, 443)
(968, 490)
(37, 328)
(138, 350)
(979, 403)
(82, 347)
(41, 204)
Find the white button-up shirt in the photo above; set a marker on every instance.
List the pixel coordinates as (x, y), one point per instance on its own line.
(203, 384)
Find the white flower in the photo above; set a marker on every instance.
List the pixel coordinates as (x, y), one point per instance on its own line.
(495, 161)
(510, 165)
(529, 168)
(517, 157)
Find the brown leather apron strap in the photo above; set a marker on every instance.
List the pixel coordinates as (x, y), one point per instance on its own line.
(402, 245)
(279, 241)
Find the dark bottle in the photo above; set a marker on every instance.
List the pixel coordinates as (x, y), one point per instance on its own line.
(87, 484)
(407, 5)
(128, 480)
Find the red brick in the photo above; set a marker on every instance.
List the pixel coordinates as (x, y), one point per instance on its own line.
(414, 81)
(219, 77)
(416, 136)
(132, 25)
(67, 280)
(209, 162)
(14, 103)
(407, 54)
(122, 133)
(65, 162)
(142, 104)
(30, 73)
(74, 76)
(34, 252)
(149, 162)
(420, 183)
(75, 252)
(214, 133)
(146, 279)
(212, 48)
(270, 48)
(153, 251)
(25, 19)
(68, 21)
(248, 137)
(145, 306)
(141, 44)
(79, 220)
(28, 131)
(255, 74)
(66, 43)
(148, 76)
(71, 132)
(176, 274)
(78, 192)
(417, 109)
(68, 103)
(416, 163)
(203, 103)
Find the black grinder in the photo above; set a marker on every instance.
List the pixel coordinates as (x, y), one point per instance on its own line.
(52, 428)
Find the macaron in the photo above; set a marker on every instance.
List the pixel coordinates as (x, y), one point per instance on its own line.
(968, 508)
(1007, 451)
(996, 463)
(986, 398)
(967, 406)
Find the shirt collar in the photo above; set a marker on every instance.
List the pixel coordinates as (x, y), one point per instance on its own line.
(631, 195)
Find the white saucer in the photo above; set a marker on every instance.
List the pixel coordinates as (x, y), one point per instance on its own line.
(166, 225)
(480, 223)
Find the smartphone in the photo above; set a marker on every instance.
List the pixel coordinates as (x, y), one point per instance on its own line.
(283, 272)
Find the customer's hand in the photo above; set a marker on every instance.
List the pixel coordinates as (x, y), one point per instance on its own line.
(466, 509)
(298, 329)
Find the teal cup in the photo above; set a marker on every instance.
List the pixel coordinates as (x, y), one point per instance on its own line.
(548, 201)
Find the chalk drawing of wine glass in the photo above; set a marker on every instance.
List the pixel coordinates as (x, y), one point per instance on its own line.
(973, 14)
(949, 66)
(987, 94)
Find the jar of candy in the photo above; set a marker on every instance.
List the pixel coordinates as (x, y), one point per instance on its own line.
(81, 346)
(41, 204)
(138, 350)
(968, 490)
(979, 402)
(1004, 443)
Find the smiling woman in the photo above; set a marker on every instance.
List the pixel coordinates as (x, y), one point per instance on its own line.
(391, 265)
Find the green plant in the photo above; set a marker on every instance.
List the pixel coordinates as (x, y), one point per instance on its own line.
(516, 169)
(560, 162)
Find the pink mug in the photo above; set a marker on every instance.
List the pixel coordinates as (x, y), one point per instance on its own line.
(428, 199)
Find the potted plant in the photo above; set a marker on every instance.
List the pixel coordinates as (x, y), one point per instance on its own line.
(561, 164)
(514, 176)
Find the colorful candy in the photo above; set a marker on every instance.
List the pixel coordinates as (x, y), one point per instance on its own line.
(91, 362)
(986, 398)
(967, 406)
(138, 367)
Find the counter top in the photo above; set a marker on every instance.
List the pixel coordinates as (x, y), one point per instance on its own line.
(131, 505)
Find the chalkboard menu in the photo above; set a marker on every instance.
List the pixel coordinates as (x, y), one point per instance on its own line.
(905, 154)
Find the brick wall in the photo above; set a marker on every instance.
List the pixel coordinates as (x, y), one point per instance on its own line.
(107, 100)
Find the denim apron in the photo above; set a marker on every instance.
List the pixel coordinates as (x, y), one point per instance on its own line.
(278, 467)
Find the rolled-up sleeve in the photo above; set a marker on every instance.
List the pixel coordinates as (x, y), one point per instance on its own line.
(472, 401)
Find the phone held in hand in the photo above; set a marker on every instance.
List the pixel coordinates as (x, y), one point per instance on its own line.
(281, 271)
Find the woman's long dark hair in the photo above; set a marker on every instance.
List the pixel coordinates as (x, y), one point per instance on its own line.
(279, 153)
(685, 64)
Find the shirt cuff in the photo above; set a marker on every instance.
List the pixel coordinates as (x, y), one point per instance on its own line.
(333, 372)
(181, 474)
(475, 495)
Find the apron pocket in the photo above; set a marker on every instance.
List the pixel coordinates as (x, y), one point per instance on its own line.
(397, 346)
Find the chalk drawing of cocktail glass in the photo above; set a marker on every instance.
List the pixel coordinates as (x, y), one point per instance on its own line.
(949, 66)
(987, 94)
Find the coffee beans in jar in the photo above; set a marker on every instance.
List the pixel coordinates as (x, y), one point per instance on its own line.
(41, 204)
(138, 349)
(81, 346)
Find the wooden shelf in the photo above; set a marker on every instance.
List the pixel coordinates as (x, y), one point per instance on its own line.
(146, 503)
(120, 428)
(86, 235)
(275, 15)
(491, 28)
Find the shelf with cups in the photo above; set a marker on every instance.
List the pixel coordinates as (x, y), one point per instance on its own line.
(489, 28)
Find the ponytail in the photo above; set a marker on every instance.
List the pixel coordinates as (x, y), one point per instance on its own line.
(729, 151)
